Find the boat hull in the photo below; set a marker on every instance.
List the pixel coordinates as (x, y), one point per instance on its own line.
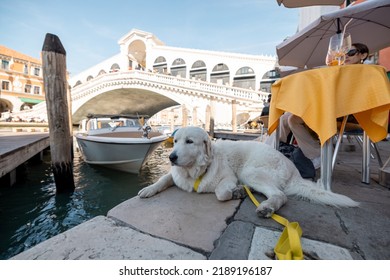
(119, 151)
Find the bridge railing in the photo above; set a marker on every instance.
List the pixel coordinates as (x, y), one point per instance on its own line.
(163, 79)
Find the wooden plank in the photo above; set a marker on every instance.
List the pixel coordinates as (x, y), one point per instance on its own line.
(17, 149)
(235, 136)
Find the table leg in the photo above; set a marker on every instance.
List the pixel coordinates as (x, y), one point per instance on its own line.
(366, 159)
(277, 136)
(326, 164)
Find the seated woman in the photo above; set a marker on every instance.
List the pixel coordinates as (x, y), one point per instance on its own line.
(305, 138)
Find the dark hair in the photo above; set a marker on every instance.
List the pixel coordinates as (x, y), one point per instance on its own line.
(362, 48)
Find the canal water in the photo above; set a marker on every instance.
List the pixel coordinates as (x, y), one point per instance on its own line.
(31, 212)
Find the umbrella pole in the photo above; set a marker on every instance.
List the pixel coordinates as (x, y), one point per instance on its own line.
(338, 26)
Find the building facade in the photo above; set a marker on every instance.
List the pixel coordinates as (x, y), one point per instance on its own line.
(21, 81)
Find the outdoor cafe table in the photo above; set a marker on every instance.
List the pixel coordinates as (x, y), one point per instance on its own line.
(319, 96)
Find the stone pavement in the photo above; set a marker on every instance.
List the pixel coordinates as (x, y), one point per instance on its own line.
(179, 225)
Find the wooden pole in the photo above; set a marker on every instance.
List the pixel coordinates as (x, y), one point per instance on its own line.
(184, 120)
(195, 116)
(208, 114)
(234, 115)
(212, 117)
(56, 90)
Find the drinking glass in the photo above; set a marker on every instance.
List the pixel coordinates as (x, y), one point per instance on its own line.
(339, 45)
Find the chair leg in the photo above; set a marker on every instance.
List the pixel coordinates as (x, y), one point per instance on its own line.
(339, 139)
(374, 145)
(377, 154)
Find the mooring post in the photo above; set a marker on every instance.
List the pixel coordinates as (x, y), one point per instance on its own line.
(212, 117)
(184, 119)
(56, 85)
(234, 115)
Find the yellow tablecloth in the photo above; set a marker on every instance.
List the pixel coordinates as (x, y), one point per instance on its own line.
(320, 96)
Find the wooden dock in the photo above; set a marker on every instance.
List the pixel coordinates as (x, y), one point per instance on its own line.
(17, 148)
(228, 135)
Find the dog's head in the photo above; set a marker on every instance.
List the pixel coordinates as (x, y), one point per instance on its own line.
(192, 147)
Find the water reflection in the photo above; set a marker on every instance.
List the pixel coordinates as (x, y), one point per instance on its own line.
(31, 212)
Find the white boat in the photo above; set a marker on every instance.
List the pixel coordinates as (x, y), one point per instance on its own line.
(121, 142)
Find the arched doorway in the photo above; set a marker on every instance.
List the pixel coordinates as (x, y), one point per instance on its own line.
(137, 55)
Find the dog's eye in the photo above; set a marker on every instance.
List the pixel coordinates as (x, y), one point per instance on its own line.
(175, 141)
(189, 141)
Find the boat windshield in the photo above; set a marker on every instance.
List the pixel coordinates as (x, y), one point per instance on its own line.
(113, 123)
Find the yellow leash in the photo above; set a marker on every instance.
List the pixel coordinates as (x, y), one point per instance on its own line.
(289, 244)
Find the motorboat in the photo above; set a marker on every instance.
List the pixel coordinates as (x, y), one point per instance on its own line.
(121, 142)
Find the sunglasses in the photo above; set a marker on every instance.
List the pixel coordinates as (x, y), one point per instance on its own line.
(352, 52)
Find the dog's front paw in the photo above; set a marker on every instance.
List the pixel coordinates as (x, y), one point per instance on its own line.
(239, 193)
(264, 212)
(147, 192)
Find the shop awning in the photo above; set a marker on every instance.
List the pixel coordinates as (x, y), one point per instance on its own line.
(30, 100)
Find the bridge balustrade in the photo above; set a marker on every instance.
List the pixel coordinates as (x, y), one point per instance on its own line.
(150, 79)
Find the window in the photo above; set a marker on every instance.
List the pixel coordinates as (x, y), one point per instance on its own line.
(245, 71)
(37, 90)
(178, 61)
(160, 59)
(178, 68)
(25, 70)
(220, 74)
(160, 65)
(77, 84)
(36, 71)
(220, 68)
(115, 68)
(27, 89)
(5, 64)
(245, 78)
(5, 85)
(198, 70)
(198, 64)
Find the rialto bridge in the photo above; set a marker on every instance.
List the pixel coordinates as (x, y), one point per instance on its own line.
(170, 84)
(142, 92)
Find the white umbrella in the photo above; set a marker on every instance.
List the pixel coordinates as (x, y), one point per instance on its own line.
(370, 25)
(306, 3)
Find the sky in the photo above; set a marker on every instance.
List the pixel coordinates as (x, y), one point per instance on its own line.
(90, 29)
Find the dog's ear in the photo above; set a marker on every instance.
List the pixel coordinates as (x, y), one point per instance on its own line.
(207, 144)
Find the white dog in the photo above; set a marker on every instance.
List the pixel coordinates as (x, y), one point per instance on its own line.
(219, 167)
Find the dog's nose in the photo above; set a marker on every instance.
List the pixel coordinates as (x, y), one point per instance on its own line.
(173, 157)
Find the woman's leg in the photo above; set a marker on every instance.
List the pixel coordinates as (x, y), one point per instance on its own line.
(310, 146)
(284, 130)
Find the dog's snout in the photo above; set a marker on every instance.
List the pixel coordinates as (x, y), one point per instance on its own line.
(173, 157)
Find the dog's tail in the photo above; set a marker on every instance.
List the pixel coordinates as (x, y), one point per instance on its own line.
(314, 192)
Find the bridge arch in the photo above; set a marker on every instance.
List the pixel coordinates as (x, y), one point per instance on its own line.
(198, 70)
(220, 74)
(137, 52)
(245, 78)
(6, 105)
(115, 68)
(160, 65)
(179, 68)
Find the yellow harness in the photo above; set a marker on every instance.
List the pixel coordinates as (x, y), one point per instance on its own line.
(197, 182)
